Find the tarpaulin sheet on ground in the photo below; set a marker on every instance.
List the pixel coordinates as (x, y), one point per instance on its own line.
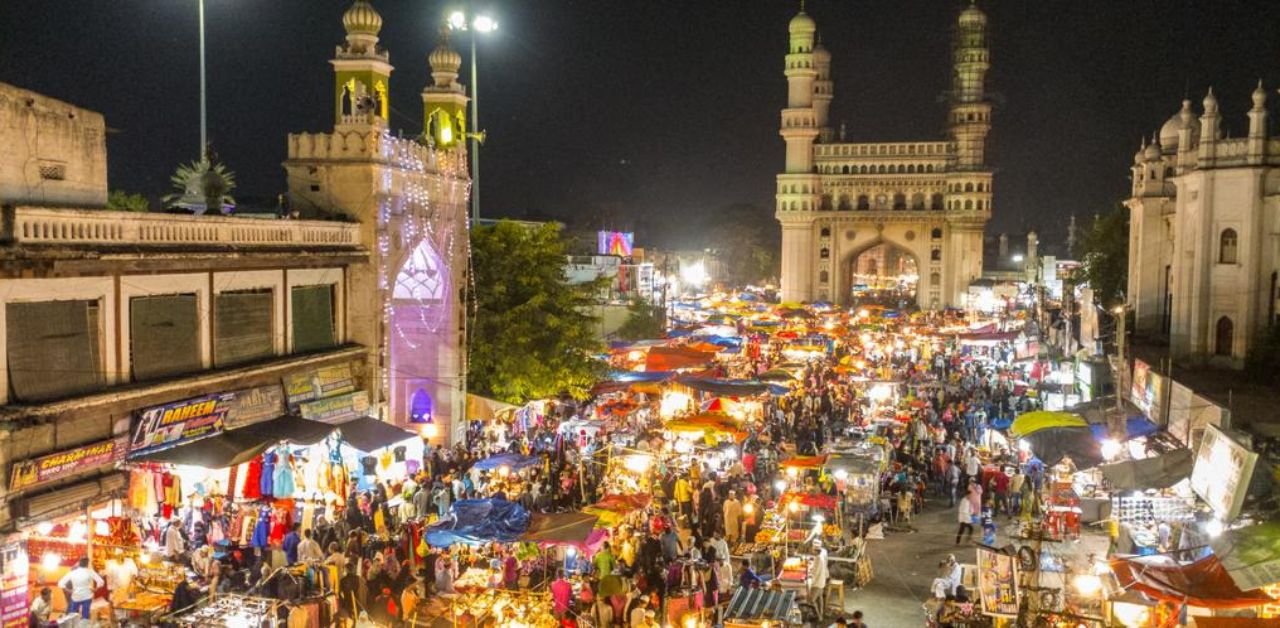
(1134, 427)
(560, 527)
(1204, 583)
(369, 434)
(1031, 422)
(805, 462)
(673, 358)
(479, 521)
(515, 462)
(234, 447)
(726, 387)
(1052, 444)
(1160, 471)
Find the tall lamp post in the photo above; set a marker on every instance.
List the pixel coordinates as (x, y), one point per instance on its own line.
(204, 124)
(460, 21)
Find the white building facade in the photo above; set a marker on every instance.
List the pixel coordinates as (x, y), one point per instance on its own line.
(929, 200)
(1204, 235)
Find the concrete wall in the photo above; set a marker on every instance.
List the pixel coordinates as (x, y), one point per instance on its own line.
(51, 153)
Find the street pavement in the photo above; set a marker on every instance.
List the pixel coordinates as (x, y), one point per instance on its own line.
(905, 564)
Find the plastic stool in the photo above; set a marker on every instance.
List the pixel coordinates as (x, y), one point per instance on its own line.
(835, 589)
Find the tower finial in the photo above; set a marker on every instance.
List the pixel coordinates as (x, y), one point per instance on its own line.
(802, 6)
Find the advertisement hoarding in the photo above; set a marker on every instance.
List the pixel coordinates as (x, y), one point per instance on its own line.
(1222, 472)
(55, 466)
(318, 384)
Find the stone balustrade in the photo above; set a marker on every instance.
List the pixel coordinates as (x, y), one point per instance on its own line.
(79, 227)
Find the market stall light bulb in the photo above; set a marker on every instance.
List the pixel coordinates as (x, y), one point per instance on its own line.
(50, 561)
(44, 528)
(1024, 445)
(794, 506)
(841, 474)
(793, 472)
(78, 531)
(504, 471)
(748, 508)
(1087, 584)
(780, 485)
(1131, 615)
(571, 551)
(691, 621)
(1111, 449)
(1213, 528)
(144, 558)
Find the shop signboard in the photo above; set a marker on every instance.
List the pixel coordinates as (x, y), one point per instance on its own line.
(1147, 391)
(337, 409)
(1222, 472)
(29, 473)
(177, 422)
(318, 383)
(998, 583)
(14, 571)
(253, 405)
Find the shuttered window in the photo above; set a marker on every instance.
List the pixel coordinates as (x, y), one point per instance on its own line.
(242, 327)
(164, 336)
(312, 312)
(53, 349)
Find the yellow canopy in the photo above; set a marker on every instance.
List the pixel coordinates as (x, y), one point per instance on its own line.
(482, 408)
(1032, 422)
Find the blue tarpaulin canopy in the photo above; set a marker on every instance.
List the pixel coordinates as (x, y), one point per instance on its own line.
(635, 377)
(474, 521)
(727, 387)
(1134, 427)
(515, 462)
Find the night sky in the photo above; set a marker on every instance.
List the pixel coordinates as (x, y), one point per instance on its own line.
(612, 111)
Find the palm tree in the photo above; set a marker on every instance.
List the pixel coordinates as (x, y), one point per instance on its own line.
(202, 184)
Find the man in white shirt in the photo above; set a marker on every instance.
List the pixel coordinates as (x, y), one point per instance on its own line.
(309, 551)
(80, 583)
(818, 583)
(174, 545)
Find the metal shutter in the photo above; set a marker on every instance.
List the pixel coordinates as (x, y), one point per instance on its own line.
(53, 349)
(164, 336)
(242, 327)
(313, 328)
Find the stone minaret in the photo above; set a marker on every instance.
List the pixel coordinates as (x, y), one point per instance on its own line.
(798, 186)
(362, 71)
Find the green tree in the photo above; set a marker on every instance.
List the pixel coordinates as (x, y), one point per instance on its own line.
(122, 201)
(532, 335)
(202, 185)
(643, 321)
(1105, 257)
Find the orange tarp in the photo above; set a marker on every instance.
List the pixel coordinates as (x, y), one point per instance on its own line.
(1204, 583)
(805, 462)
(673, 358)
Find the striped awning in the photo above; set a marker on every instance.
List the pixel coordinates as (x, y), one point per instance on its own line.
(760, 605)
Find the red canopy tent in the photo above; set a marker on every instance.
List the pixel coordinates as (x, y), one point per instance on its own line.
(805, 462)
(1204, 583)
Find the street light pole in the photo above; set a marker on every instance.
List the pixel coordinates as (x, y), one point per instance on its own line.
(204, 124)
(1123, 366)
(475, 135)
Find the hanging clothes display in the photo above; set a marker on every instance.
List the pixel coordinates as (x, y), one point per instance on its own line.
(268, 475)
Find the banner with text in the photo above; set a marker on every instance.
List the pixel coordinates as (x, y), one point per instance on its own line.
(1222, 472)
(337, 409)
(253, 405)
(14, 571)
(47, 468)
(181, 421)
(998, 583)
(318, 384)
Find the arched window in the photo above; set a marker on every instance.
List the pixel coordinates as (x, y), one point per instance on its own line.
(928, 168)
(846, 170)
(936, 202)
(826, 202)
(844, 202)
(936, 234)
(968, 187)
(826, 232)
(864, 169)
(899, 201)
(864, 203)
(420, 407)
(1224, 336)
(824, 276)
(968, 204)
(1227, 246)
(882, 169)
(825, 253)
(936, 255)
(917, 201)
(911, 168)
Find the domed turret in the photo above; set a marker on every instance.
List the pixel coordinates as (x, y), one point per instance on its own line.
(1210, 102)
(972, 16)
(1153, 151)
(802, 23)
(1185, 118)
(362, 19)
(1142, 150)
(444, 61)
(821, 55)
(1259, 97)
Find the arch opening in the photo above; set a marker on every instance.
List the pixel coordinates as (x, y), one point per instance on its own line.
(883, 274)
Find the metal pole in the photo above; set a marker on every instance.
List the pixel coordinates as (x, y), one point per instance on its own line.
(204, 124)
(1122, 367)
(475, 138)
